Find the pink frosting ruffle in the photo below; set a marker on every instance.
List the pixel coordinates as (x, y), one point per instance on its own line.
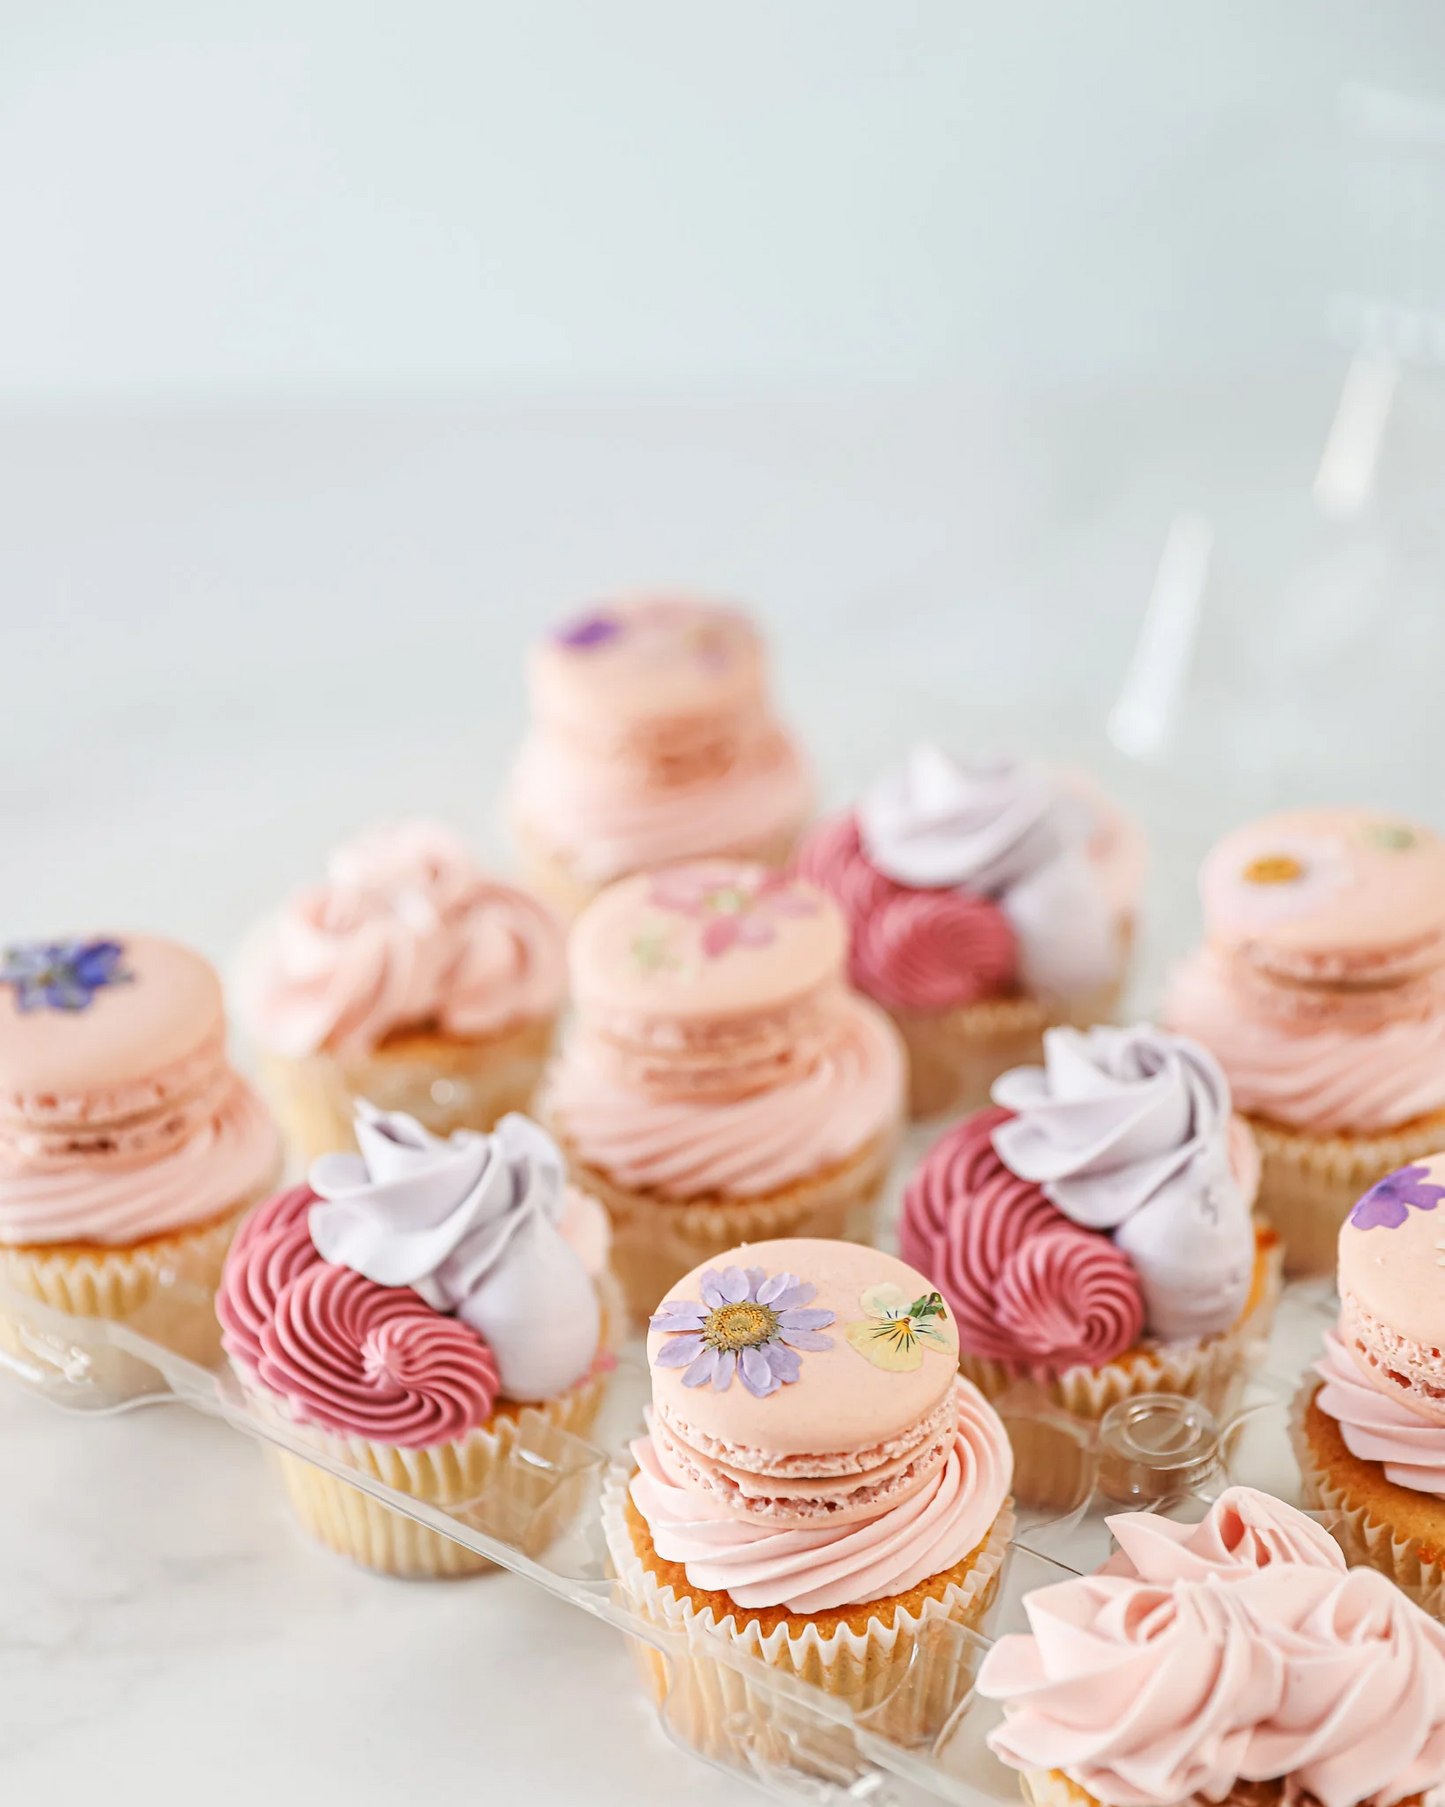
(808, 1567)
(408, 933)
(1025, 1285)
(1377, 1428)
(910, 949)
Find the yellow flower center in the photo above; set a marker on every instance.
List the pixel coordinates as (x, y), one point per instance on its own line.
(741, 1326)
(1273, 869)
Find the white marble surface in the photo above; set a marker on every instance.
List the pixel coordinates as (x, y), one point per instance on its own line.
(227, 638)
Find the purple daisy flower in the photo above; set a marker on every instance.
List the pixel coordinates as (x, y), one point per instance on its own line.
(588, 631)
(61, 975)
(745, 1324)
(1389, 1201)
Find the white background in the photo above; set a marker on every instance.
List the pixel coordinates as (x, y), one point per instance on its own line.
(341, 346)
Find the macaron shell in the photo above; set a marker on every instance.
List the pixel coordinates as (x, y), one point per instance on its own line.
(1396, 1271)
(1367, 882)
(707, 939)
(646, 657)
(841, 1401)
(168, 1008)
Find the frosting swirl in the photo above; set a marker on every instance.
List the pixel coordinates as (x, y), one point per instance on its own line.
(1243, 1530)
(473, 1223)
(407, 933)
(269, 1250)
(910, 949)
(1128, 1130)
(1306, 1073)
(1024, 1284)
(1378, 1428)
(359, 1359)
(1007, 830)
(742, 1147)
(1146, 1694)
(807, 1566)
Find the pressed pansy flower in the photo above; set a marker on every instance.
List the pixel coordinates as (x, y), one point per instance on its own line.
(738, 909)
(61, 975)
(746, 1323)
(895, 1331)
(1389, 1201)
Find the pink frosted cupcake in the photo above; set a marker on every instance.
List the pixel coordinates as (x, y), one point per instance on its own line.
(1321, 992)
(719, 1082)
(1215, 1664)
(652, 740)
(130, 1148)
(431, 1315)
(409, 978)
(984, 902)
(1092, 1235)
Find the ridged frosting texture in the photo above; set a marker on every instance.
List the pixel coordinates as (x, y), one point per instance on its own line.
(1377, 1428)
(652, 740)
(1243, 1530)
(407, 933)
(805, 1565)
(1151, 1691)
(1128, 1131)
(910, 948)
(1007, 830)
(473, 1223)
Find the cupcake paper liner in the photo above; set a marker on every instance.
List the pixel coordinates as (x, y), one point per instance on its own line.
(163, 1288)
(656, 1240)
(1361, 1525)
(1052, 1432)
(445, 1084)
(1052, 1788)
(903, 1680)
(954, 1056)
(1309, 1183)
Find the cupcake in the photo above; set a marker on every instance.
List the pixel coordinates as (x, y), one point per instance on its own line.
(1239, 1681)
(817, 1487)
(130, 1149)
(1091, 1234)
(719, 1083)
(1321, 991)
(984, 902)
(409, 978)
(1369, 1423)
(429, 1314)
(652, 740)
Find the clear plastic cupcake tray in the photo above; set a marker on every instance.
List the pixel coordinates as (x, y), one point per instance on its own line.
(543, 1520)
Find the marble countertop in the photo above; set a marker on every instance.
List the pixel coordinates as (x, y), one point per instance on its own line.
(228, 638)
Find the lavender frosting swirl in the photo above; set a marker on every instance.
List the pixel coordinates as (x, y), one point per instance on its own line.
(1006, 830)
(472, 1224)
(1127, 1130)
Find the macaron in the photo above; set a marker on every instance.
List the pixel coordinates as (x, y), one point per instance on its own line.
(1392, 1286)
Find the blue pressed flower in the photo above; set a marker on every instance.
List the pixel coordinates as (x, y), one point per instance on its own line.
(588, 631)
(61, 975)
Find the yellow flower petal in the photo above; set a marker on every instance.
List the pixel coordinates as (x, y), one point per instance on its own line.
(883, 1346)
(884, 1300)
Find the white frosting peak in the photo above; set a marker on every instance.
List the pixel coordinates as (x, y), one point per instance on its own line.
(475, 1224)
(1127, 1130)
(1006, 829)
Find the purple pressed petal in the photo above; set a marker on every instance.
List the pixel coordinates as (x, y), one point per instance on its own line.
(756, 1278)
(805, 1339)
(722, 1376)
(793, 1319)
(771, 1289)
(798, 1293)
(710, 1287)
(734, 1286)
(702, 1370)
(679, 1314)
(755, 1373)
(783, 1362)
(678, 1351)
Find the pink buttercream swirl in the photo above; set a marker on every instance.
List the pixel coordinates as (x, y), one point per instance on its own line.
(1322, 1069)
(269, 1250)
(851, 1093)
(910, 949)
(1025, 1285)
(1377, 1428)
(197, 1158)
(359, 1359)
(1242, 1531)
(811, 1567)
(408, 933)
(1147, 1693)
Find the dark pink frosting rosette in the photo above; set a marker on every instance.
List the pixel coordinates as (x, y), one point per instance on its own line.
(270, 1249)
(1026, 1286)
(910, 949)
